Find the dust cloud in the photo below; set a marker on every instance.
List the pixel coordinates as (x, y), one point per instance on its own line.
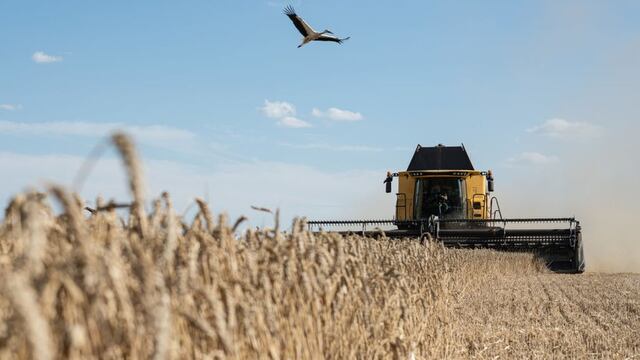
(596, 179)
(605, 193)
(598, 184)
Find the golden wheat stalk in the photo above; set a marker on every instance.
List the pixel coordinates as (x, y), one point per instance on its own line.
(129, 156)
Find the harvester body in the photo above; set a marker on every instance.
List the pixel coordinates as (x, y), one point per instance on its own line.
(441, 196)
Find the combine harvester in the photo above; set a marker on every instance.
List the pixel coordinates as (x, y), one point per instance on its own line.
(442, 197)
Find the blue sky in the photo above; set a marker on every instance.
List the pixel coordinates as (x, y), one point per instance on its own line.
(206, 87)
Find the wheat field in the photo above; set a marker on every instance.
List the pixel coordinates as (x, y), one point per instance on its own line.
(79, 284)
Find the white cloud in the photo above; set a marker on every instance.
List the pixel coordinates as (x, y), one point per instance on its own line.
(10, 107)
(561, 128)
(41, 58)
(322, 146)
(278, 109)
(285, 113)
(337, 114)
(158, 135)
(532, 158)
(293, 122)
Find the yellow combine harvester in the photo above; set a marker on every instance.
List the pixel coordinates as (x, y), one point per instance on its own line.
(443, 197)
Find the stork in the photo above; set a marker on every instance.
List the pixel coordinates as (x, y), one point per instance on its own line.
(307, 31)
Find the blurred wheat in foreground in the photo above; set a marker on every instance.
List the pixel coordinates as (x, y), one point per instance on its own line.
(80, 285)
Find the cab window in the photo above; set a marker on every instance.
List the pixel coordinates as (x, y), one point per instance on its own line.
(443, 197)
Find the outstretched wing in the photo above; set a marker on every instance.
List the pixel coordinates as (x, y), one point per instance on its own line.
(325, 37)
(302, 26)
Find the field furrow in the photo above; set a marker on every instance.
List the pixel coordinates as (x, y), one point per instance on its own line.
(546, 314)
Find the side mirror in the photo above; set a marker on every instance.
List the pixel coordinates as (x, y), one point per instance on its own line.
(387, 183)
(490, 181)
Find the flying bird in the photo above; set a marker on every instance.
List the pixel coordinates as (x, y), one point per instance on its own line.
(263, 209)
(307, 31)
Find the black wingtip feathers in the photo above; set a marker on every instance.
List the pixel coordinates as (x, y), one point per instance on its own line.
(289, 10)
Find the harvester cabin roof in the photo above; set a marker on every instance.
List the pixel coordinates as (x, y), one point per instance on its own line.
(440, 158)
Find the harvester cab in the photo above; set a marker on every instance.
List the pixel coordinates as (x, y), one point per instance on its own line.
(441, 182)
(442, 195)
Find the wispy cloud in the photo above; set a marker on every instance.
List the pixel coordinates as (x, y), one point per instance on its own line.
(316, 193)
(532, 158)
(154, 134)
(330, 147)
(561, 128)
(337, 114)
(278, 109)
(41, 58)
(285, 113)
(10, 107)
(293, 122)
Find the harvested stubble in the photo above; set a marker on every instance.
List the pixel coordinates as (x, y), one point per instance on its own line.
(76, 286)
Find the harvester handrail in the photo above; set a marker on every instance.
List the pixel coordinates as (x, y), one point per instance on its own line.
(497, 211)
